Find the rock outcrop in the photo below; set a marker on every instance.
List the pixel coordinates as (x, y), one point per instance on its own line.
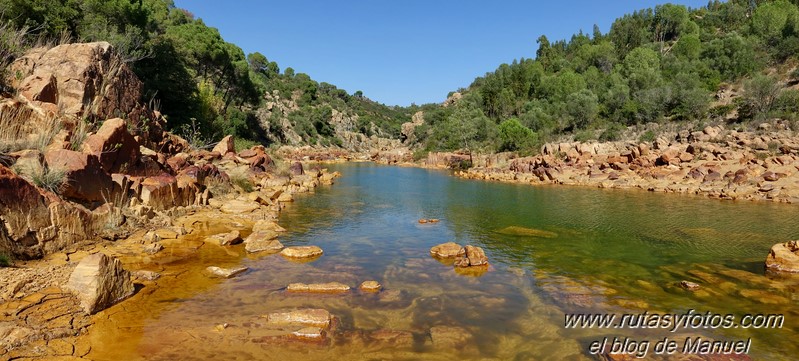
(784, 257)
(99, 282)
(715, 162)
(82, 79)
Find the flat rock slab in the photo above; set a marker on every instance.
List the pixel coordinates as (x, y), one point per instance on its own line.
(528, 232)
(307, 317)
(310, 334)
(238, 206)
(302, 252)
(447, 250)
(393, 337)
(330, 287)
(370, 286)
(225, 239)
(225, 272)
(449, 337)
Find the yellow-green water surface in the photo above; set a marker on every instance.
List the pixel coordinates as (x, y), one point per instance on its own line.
(553, 250)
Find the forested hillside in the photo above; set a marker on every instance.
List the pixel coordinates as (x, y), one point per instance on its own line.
(733, 61)
(204, 85)
(730, 60)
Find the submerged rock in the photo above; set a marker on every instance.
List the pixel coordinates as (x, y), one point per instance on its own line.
(370, 286)
(302, 252)
(449, 336)
(447, 250)
(310, 333)
(225, 272)
(330, 287)
(307, 317)
(690, 286)
(529, 232)
(784, 257)
(99, 281)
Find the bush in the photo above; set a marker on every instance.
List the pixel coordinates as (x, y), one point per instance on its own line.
(612, 133)
(648, 137)
(513, 136)
(242, 144)
(5, 260)
(584, 135)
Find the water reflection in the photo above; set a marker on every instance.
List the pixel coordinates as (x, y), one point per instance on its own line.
(552, 249)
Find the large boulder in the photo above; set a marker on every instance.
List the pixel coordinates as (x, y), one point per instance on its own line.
(23, 212)
(85, 178)
(99, 281)
(225, 146)
(784, 257)
(77, 76)
(116, 148)
(164, 191)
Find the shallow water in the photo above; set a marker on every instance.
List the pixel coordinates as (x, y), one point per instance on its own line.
(601, 251)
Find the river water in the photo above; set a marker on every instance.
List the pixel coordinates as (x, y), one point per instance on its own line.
(553, 250)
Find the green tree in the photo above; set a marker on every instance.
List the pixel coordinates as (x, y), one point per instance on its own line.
(759, 96)
(513, 136)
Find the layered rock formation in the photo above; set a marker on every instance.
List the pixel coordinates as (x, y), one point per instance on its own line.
(715, 162)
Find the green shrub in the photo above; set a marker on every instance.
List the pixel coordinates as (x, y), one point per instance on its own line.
(612, 133)
(648, 137)
(242, 144)
(584, 135)
(5, 260)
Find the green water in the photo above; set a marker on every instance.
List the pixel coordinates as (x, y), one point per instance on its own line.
(610, 251)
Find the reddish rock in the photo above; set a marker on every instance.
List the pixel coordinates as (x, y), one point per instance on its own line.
(85, 74)
(178, 161)
(225, 146)
(40, 87)
(296, 169)
(23, 210)
(771, 176)
(85, 178)
(161, 192)
(712, 176)
(114, 146)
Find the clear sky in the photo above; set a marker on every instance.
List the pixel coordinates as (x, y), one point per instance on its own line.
(403, 51)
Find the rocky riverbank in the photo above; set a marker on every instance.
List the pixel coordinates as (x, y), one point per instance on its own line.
(716, 162)
(98, 201)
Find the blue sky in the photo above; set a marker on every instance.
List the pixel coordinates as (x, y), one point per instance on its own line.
(403, 51)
